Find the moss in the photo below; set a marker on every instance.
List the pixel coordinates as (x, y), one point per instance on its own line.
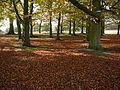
(98, 52)
(31, 48)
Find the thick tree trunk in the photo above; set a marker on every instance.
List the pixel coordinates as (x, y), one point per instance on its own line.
(88, 28)
(11, 27)
(95, 27)
(58, 30)
(118, 32)
(70, 25)
(74, 27)
(94, 35)
(26, 36)
(19, 29)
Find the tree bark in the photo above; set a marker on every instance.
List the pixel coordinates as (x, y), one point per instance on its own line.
(50, 22)
(88, 28)
(26, 36)
(40, 26)
(102, 27)
(62, 25)
(74, 26)
(94, 36)
(85, 9)
(31, 12)
(11, 27)
(51, 36)
(58, 30)
(25, 23)
(118, 32)
(95, 27)
(70, 25)
(82, 27)
(19, 29)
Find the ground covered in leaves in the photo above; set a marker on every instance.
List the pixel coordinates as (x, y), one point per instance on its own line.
(59, 65)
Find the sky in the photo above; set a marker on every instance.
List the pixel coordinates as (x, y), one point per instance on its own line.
(5, 24)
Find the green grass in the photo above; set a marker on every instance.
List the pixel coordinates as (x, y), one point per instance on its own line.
(91, 51)
(98, 52)
(30, 48)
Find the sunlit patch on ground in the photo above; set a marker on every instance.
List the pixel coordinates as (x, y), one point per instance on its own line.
(59, 65)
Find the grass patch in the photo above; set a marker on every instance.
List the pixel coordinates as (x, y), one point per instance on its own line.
(98, 52)
(84, 41)
(101, 53)
(31, 48)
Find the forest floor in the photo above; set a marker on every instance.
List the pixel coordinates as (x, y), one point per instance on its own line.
(59, 65)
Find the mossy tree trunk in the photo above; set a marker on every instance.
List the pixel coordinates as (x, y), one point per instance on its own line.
(94, 36)
(24, 21)
(95, 27)
(88, 28)
(26, 36)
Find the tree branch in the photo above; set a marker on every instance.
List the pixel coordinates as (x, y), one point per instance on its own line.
(17, 11)
(84, 9)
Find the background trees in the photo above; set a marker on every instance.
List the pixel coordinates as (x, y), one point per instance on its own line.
(72, 14)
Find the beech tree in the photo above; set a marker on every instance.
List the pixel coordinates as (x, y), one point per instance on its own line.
(24, 21)
(95, 31)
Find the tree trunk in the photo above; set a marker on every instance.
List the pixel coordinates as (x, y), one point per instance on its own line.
(58, 30)
(82, 27)
(102, 27)
(11, 27)
(62, 25)
(31, 29)
(31, 12)
(118, 32)
(40, 26)
(19, 29)
(95, 27)
(94, 35)
(26, 37)
(70, 27)
(51, 25)
(74, 27)
(50, 22)
(88, 28)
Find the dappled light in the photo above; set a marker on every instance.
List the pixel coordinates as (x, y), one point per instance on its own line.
(59, 65)
(59, 45)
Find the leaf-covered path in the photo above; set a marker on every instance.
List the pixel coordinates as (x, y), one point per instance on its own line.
(59, 65)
